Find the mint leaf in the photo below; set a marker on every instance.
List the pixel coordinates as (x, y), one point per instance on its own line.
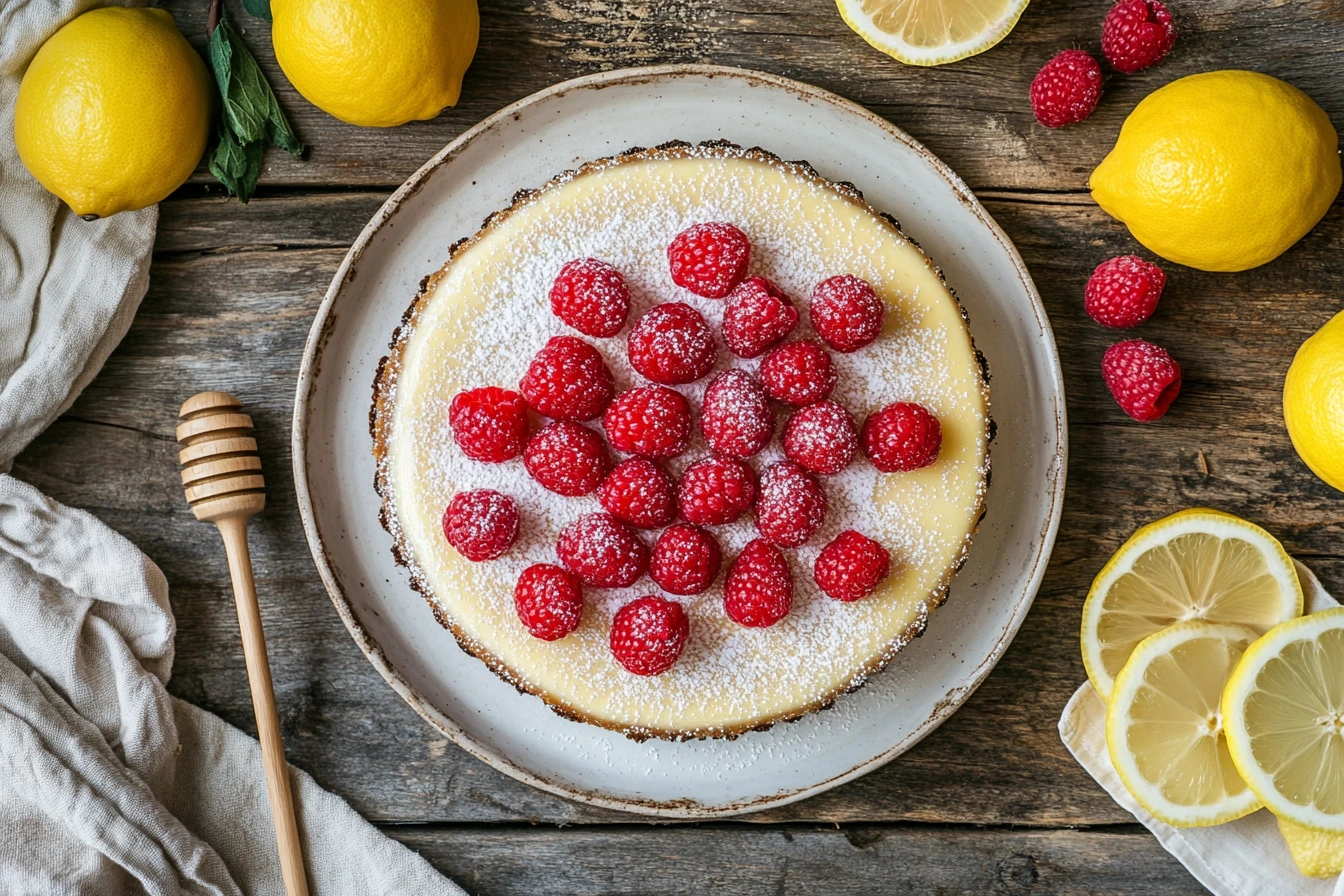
(250, 117)
(259, 8)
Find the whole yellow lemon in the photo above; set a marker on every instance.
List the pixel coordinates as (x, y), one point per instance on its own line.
(114, 111)
(1313, 401)
(1221, 171)
(376, 63)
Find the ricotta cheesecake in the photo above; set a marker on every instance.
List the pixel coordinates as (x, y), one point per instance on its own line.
(480, 320)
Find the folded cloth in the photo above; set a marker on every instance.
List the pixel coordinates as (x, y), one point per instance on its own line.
(108, 785)
(1246, 857)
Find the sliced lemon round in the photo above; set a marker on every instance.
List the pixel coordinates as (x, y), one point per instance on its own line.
(1196, 564)
(1164, 727)
(1315, 853)
(1284, 712)
(931, 32)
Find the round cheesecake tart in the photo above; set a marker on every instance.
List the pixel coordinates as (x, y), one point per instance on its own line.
(486, 314)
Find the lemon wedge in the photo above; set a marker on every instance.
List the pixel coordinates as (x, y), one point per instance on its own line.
(931, 32)
(1164, 729)
(1196, 564)
(1315, 853)
(1284, 713)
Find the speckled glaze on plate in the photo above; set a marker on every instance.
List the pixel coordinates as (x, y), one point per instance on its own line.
(521, 146)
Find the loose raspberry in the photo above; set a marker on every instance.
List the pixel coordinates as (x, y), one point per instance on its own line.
(759, 589)
(482, 525)
(846, 312)
(685, 560)
(568, 380)
(651, 421)
(790, 505)
(591, 296)
(756, 316)
(672, 345)
(735, 417)
(566, 458)
(602, 551)
(549, 601)
(489, 424)
(709, 259)
(1066, 89)
(1136, 34)
(903, 436)
(647, 635)
(638, 492)
(821, 438)
(851, 566)
(716, 491)
(1144, 380)
(1123, 291)
(798, 373)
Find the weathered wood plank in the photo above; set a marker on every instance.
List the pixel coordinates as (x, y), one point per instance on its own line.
(998, 760)
(973, 114)
(782, 861)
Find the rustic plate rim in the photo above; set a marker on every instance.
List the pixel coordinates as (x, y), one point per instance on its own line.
(307, 382)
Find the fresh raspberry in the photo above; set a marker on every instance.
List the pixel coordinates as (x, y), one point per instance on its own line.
(482, 525)
(756, 316)
(798, 373)
(903, 436)
(566, 458)
(1123, 291)
(1066, 89)
(549, 601)
(685, 560)
(489, 424)
(647, 635)
(672, 345)
(851, 566)
(1136, 34)
(651, 421)
(709, 259)
(591, 296)
(716, 491)
(759, 589)
(846, 312)
(735, 417)
(638, 492)
(821, 438)
(1144, 380)
(602, 551)
(790, 505)
(568, 380)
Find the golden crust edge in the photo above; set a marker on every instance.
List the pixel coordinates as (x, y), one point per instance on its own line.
(382, 409)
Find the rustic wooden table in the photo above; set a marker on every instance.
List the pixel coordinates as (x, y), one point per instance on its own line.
(991, 802)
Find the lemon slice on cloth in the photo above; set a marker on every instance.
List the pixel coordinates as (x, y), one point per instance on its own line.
(1196, 564)
(931, 32)
(1164, 727)
(1315, 853)
(1284, 713)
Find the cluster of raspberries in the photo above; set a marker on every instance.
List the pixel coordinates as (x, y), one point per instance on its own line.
(673, 345)
(1134, 35)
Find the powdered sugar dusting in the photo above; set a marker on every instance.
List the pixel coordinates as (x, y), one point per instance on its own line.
(488, 313)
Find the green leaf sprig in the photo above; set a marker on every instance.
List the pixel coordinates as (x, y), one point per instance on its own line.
(250, 118)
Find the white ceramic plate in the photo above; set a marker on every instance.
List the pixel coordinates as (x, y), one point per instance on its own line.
(522, 146)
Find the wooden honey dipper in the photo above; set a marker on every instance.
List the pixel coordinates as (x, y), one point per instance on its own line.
(221, 471)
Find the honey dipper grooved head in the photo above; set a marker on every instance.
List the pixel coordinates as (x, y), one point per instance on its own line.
(221, 469)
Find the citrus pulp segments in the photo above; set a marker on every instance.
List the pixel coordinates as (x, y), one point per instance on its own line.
(1160, 576)
(1164, 727)
(931, 32)
(1284, 710)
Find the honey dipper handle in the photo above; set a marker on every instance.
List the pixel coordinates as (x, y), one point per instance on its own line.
(234, 532)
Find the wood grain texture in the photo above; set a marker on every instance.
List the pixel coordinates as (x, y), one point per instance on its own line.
(801, 861)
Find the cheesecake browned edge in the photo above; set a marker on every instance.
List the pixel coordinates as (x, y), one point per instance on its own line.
(382, 410)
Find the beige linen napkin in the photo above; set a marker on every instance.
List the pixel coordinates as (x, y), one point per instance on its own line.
(1246, 857)
(108, 785)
